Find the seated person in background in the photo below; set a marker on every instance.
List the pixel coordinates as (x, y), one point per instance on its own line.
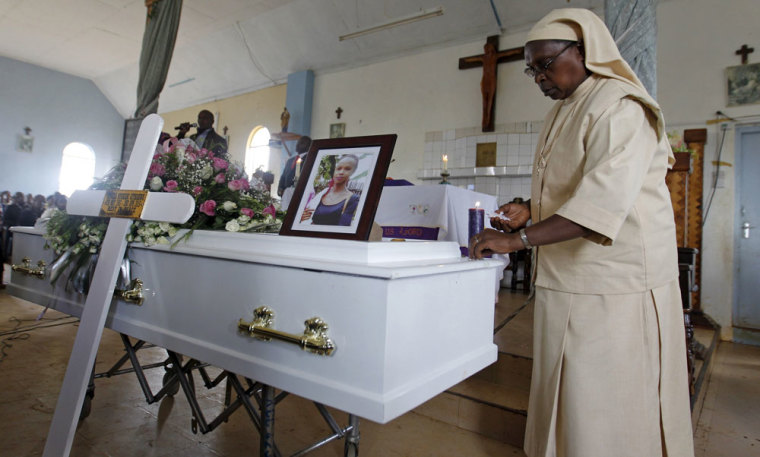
(12, 217)
(12, 213)
(335, 205)
(287, 181)
(206, 137)
(30, 214)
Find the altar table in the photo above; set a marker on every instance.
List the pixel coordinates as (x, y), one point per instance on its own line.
(433, 212)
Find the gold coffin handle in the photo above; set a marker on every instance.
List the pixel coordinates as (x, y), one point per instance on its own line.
(132, 295)
(314, 338)
(27, 268)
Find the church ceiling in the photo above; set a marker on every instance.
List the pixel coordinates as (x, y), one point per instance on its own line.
(227, 47)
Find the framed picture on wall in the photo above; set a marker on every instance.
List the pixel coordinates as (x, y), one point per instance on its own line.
(743, 84)
(338, 130)
(131, 127)
(339, 188)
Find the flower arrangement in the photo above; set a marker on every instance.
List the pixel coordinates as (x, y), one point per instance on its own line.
(677, 144)
(225, 199)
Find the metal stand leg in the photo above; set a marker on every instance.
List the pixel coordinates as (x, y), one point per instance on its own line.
(351, 445)
(267, 422)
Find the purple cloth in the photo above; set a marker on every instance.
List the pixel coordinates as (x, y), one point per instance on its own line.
(396, 182)
(411, 233)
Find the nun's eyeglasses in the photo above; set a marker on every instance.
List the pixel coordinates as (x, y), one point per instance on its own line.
(532, 72)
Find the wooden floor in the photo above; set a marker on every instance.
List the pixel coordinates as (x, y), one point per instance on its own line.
(34, 353)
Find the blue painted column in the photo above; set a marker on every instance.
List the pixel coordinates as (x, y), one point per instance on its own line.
(299, 101)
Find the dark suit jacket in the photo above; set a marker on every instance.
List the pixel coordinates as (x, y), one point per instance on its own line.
(289, 172)
(214, 143)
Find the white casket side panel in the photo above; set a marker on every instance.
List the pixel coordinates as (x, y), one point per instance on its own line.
(403, 334)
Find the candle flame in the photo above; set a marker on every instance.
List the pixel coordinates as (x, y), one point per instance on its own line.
(477, 204)
(445, 158)
(298, 160)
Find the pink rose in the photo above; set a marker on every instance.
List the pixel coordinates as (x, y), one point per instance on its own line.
(197, 190)
(208, 207)
(270, 210)
(156, 169)
(238, 184)
(171, 186)
(220, 178)
(247, 211)
(220, 164)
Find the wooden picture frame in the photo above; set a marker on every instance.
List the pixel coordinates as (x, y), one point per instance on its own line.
(316, 209)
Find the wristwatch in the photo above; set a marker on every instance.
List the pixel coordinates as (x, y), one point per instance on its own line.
(524, 239)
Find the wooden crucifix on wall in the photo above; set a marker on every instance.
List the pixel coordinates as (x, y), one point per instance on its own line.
(489, 60)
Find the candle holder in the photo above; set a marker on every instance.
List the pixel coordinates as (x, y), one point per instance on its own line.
(445, 177)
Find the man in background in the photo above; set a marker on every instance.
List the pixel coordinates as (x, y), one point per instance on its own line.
(205, 136)
(287, 183)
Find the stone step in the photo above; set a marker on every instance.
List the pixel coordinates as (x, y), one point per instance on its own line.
(493, 402)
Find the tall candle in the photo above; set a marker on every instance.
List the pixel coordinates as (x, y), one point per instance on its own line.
(298, 167)
(445, 162)
(476, 220)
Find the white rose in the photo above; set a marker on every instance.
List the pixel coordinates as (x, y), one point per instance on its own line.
(164, 226)
(229, 206)
(232, 226)
(156, 183)
(206, 172)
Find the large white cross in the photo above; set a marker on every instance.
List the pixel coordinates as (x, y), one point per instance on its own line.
(168, 207)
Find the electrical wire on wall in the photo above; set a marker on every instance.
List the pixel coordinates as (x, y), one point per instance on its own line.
(723, 128)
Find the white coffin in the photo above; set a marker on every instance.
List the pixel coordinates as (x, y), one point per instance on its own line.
(409, 319)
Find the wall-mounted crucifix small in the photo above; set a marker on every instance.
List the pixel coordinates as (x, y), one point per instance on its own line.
(744, 51)
(489, 60)
(339, 111)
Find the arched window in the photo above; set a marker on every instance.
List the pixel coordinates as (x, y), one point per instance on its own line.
(77, 168)
(257, 154)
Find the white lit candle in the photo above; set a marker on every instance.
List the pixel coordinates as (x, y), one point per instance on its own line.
(298, 167)
(445, 162)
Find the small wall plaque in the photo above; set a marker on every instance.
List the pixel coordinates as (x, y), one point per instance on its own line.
(485, 155)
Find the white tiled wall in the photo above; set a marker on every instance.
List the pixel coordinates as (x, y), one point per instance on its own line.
(515, 145)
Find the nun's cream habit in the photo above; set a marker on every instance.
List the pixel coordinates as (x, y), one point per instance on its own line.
(609, 374)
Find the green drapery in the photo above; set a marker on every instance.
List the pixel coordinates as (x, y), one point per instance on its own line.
(156, 55)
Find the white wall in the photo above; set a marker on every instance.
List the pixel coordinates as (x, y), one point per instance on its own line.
(60, 109)
(696, 43)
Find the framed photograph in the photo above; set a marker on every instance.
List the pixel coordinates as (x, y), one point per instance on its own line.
(743, 84)
(338, 130)
(339, 188)
(25, 143)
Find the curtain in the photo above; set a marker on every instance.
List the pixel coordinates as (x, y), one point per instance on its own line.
(156, 55)
(633, 24)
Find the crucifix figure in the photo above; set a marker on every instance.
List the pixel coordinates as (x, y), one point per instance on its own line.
(744, 51)
(339, 111)
(489, 60)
